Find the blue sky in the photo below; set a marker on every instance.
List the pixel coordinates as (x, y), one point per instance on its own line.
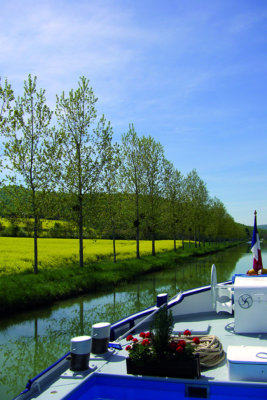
(190, 73)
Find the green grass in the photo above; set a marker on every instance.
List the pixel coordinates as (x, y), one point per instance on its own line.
(60, 275)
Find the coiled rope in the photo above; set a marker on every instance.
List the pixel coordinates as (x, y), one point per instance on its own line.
(210, 349)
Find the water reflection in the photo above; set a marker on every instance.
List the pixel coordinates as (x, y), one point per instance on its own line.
(32, 341)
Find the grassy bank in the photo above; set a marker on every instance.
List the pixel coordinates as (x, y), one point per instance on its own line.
(25, 291)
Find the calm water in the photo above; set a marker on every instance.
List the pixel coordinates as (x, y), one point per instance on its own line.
(32, 341)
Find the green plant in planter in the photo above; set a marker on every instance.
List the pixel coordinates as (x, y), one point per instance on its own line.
(162, 330)
(159, 346)
(158, 353)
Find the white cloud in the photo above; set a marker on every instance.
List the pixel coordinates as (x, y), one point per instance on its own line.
(49, 36)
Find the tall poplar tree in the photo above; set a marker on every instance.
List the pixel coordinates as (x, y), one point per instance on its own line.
(112, 194)
(30, 149)
(198, 201)
(133, 174)
(153, 162)
(174, 201)
(82, 148)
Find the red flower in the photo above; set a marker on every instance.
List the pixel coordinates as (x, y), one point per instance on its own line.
(145, 342)
(129, 337)
(196, 340)
(135, 340)
(173, 345)
(187, 332)
(128, 347)
(179, 349)
(142, 334)
(181, 343)
(148, 335)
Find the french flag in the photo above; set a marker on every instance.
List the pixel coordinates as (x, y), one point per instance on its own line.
(255, 247)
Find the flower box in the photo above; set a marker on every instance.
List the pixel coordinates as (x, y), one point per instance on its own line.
(159, 353)
(166, 368)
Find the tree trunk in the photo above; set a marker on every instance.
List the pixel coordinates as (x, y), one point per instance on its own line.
(190, 230)
(35, 236)
(137, 226)
(81, 230)
(137, 242)
(153, 245)
(114, 242)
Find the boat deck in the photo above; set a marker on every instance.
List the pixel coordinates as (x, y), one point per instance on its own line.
(113, 362)
(108, 370)
(221, 325)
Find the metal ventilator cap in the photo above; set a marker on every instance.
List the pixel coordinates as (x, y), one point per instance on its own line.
(81, 345)
(100, 337)
(162, 299)
(80, 348)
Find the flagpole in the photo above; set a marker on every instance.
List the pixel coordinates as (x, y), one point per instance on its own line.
(255, 248)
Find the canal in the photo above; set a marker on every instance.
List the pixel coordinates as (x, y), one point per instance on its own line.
(29, 342)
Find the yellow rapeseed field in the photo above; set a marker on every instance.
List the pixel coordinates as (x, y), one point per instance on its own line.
(16, 254)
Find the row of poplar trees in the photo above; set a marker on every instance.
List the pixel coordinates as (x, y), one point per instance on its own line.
(77, 157)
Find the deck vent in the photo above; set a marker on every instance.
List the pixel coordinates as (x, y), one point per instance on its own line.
(80, 348)
(198, 392)
(100, 337)
(162, 299)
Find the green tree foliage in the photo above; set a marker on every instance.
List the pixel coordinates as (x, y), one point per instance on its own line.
(132, 173)
(102, 189)
(82, 149)
(6, 99)
(153, 167)
(216, 220)
(197, 202)
(111, 186)
(174, 201)
(29, 149)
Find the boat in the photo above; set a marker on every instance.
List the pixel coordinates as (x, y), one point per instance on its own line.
(231, 315)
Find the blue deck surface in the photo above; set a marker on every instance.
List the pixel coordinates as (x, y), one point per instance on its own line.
(111, 387)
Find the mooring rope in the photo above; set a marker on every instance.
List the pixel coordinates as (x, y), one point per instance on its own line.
(210, 349)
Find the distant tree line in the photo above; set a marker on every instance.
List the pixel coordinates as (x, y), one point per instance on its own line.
(73, 171)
